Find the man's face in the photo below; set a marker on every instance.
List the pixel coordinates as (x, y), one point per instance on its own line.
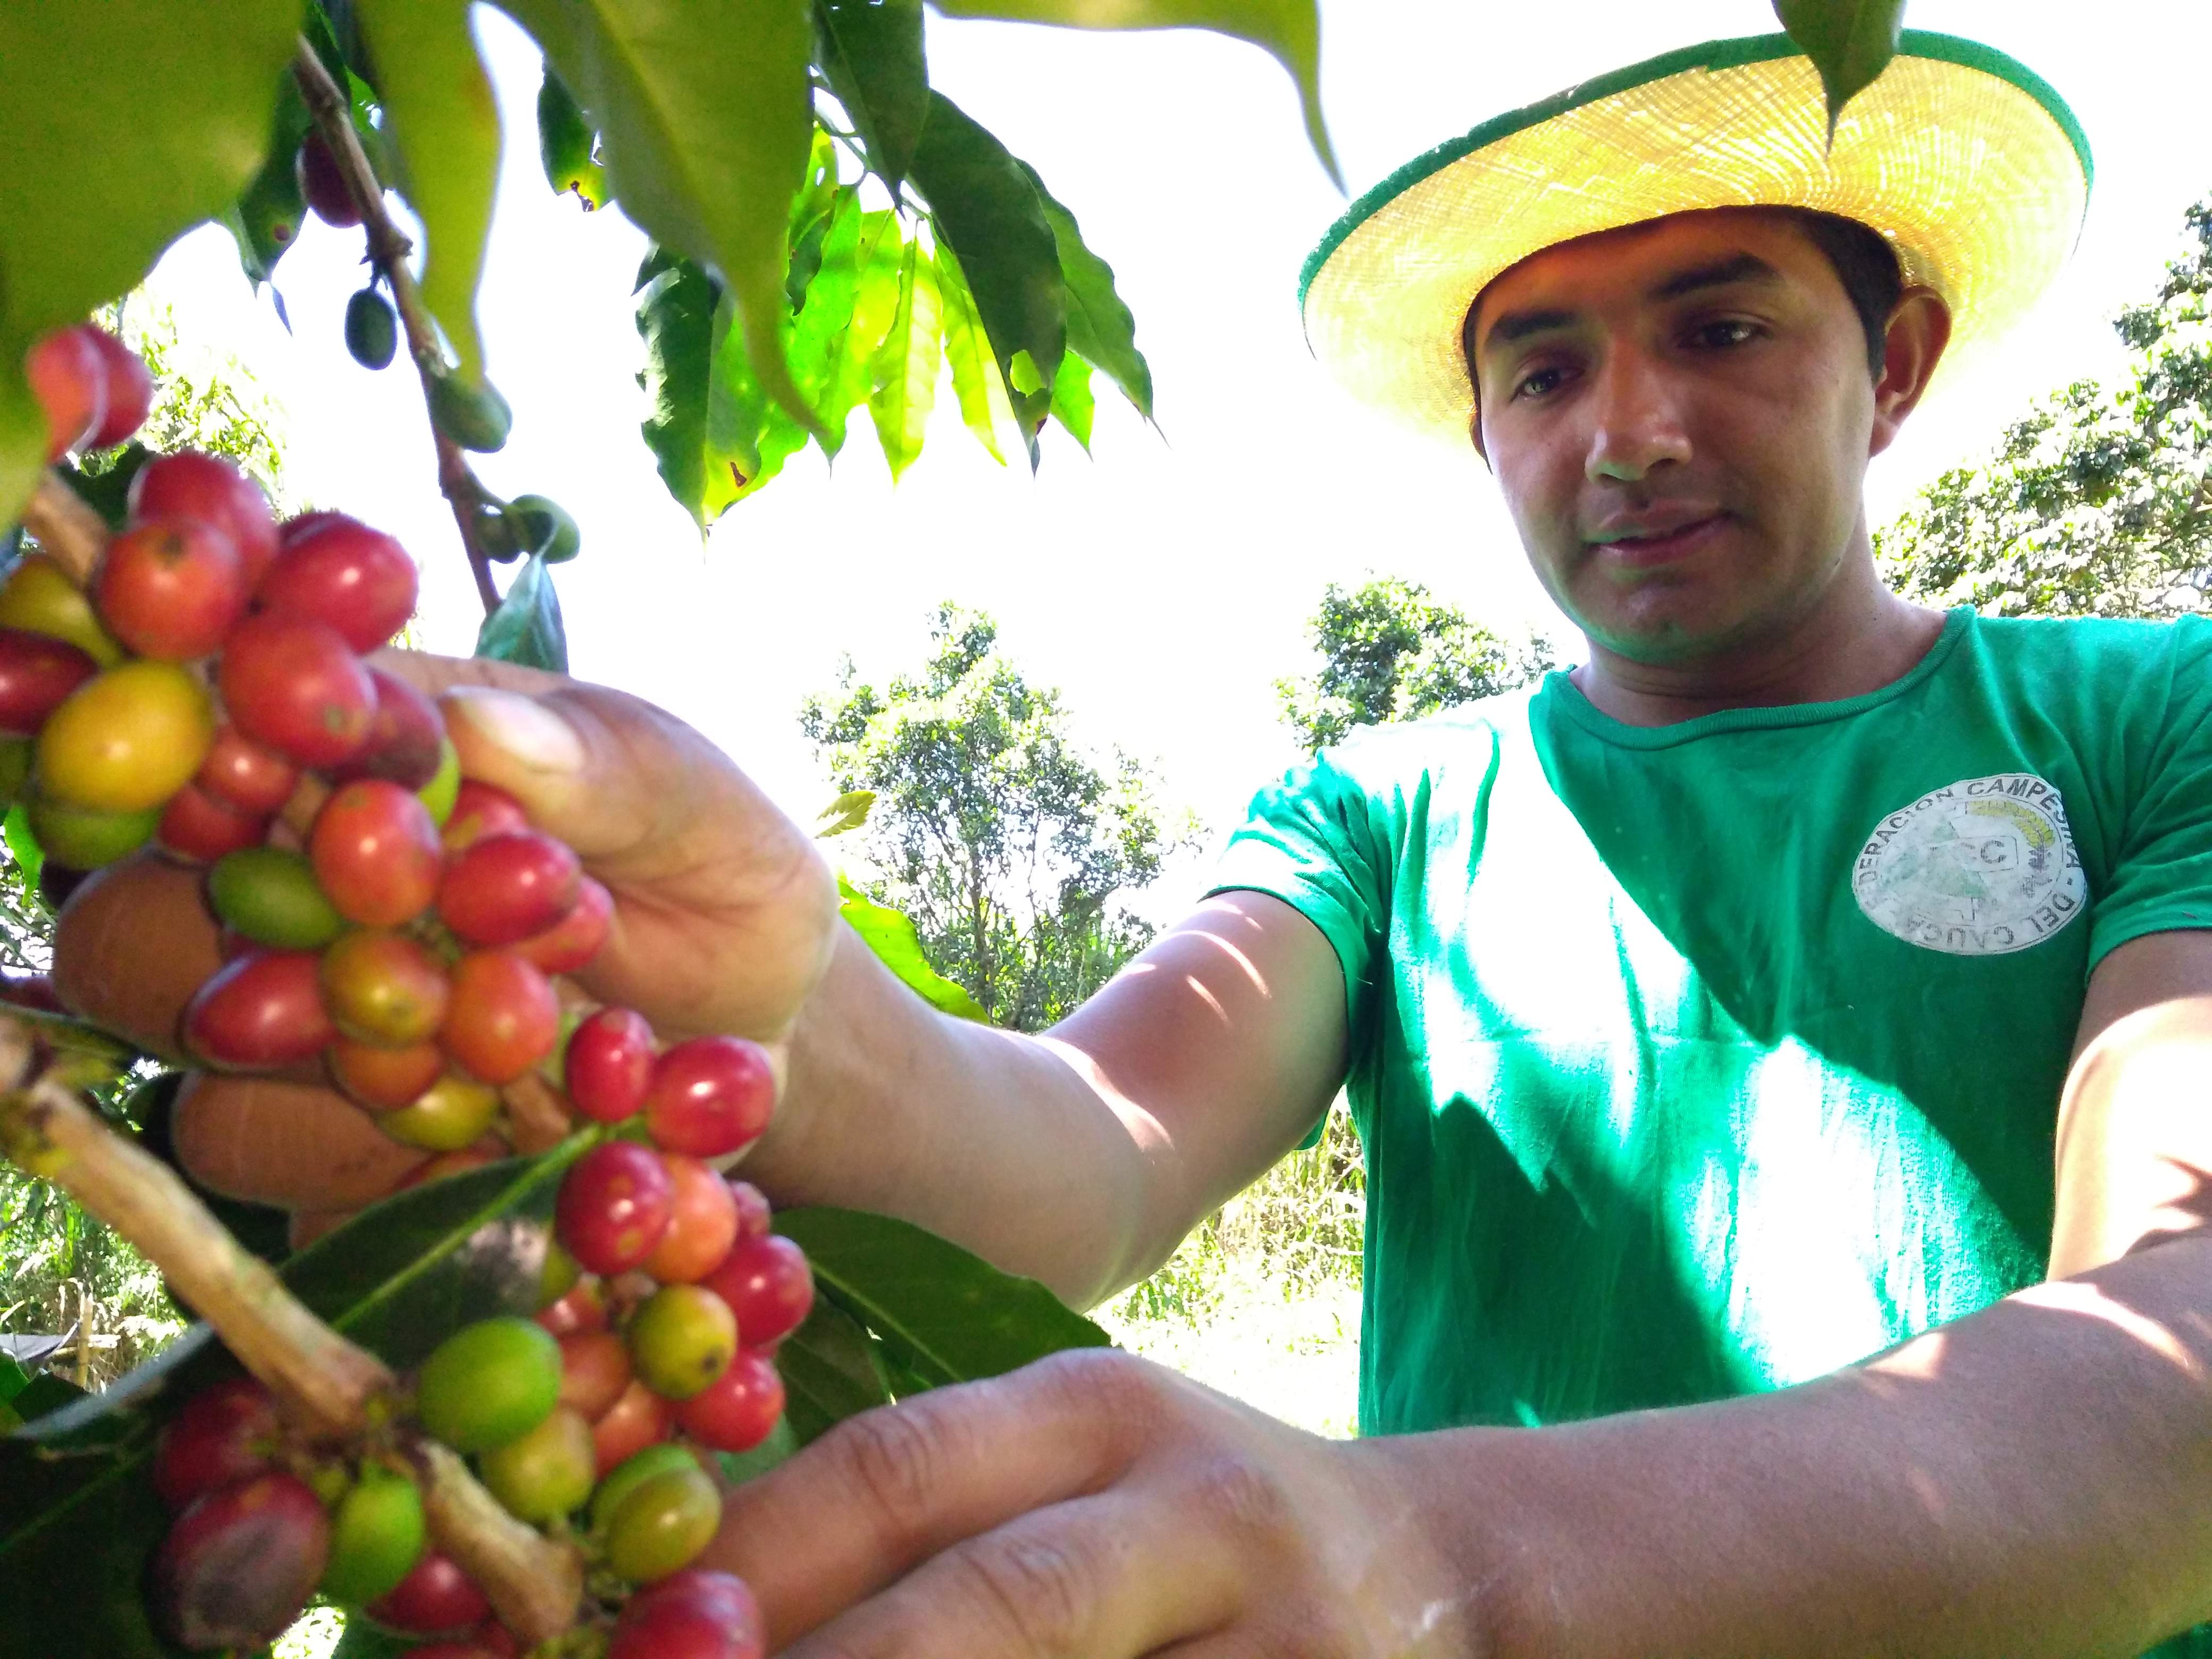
(1681, 414)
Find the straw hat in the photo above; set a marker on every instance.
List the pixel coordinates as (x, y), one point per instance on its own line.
(1967, 161)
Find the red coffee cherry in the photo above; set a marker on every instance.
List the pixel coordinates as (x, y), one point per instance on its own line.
(249, 777)
(195, 825)
(323, 184)
(739, 1409)
(710, 1097)
(384, 1079)
(608, 1065)
(582, 1309)
(341, 572)
(702, 1230)
(754, 1215)
(239, 1566)
(261, 1011)
(639, 1420)
(768, 1286)
(193, 485)
(67, 374)
(406, 738)
(575, 940)
(504, 889)
(503, 1019)
(386, 988)
(436, 1599)
(375, 852)
(614, 1205)
(595, 1370)
(224, 1433)
(130, 390)
(295, 685)
(37, 672)
(691, 1614)
(171, 587)
(482, 810)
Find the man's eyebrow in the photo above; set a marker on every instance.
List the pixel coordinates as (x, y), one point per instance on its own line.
(1742, 268)
(1520, 324)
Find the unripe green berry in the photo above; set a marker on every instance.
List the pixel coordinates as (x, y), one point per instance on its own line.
(682, 1339)
(627, 1476)
(546, 1474)
(371, 332)
(488, 1384)
(471, 413)
(376, 1538)
(661, 1526)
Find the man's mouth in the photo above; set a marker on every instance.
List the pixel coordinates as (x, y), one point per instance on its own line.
(1640, 546)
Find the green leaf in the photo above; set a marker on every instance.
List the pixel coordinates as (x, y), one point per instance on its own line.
(80, 1517)
(977, 380)
(749, 434)
(848, 811)
(107, 491)
(830, 1372)
(941, 1314)
(565, 144)
(676, 306)
(23, 845)
(892, 936)
(1850, 42)
(527, 628)
(871, 51)
(1072, 404)
(121, 131)
(14, 1379)
(265, 220)
(363, 1640)
(438, 103)
(907, 362)
(1099, 326)
(706, 120)
(1289, 29)
(849, 307)
(984, 207)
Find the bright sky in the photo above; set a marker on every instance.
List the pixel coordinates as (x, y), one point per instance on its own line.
(1164, 585)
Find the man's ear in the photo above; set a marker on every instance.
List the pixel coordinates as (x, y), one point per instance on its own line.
(1920, 329)
(1474, 432)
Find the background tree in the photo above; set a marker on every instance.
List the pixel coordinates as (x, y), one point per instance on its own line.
(1390, 652)
(1005, 840)
(2097, 502)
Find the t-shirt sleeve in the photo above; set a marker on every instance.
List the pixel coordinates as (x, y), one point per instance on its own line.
(2162, 877)
(1311, 841)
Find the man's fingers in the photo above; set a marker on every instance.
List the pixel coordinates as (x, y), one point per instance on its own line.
(292, 1144)
(882, 1493)
(1114, 1576)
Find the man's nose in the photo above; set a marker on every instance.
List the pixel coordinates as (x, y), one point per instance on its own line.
(1637, 424)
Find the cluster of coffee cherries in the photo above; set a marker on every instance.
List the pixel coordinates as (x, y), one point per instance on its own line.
(401, 928)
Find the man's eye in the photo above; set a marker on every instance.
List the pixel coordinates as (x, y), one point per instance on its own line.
(1719, 336)
(1537, 385)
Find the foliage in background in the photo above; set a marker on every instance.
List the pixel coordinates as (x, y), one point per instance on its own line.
(993, 828)
(2097, 502)
(1390, 652)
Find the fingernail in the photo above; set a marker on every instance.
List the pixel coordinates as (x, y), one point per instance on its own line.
(523, 727)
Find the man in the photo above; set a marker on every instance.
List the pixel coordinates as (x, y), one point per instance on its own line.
(1778, 1043)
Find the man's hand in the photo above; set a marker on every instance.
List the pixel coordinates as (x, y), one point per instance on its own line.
(725, 917)
(1094, 1505)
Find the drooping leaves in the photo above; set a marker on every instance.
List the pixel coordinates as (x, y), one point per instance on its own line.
(892, 936)
(265, 220)
(705, 120)
(1072, 402)
(567, 145)
(831, 1371)
(1099, 326)
(121, 132)
(907, 362)
(871, 51)
(675, 305)
(1289, 29)
(943, 1315)
(445, 127)
(977, 382)
(848, 812)
(1850, 42)
(986, 211)
(527, 627)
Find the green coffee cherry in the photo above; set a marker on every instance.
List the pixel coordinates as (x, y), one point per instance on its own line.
(77, 838)
(545, 527)
(372, 330)
(15, 767)
(376, 1538)
(488, 1384)
(445, 785)
(632, 1473)
(548, 1472)
(682, 1340)
(473, 415)
(661, 1526)
(269, 895)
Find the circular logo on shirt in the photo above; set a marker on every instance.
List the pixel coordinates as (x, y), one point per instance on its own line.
(1976, 868)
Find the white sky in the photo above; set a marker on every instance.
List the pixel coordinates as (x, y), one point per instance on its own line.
(1165, 585)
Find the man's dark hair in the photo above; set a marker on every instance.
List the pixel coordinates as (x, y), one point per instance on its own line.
(1865, 263)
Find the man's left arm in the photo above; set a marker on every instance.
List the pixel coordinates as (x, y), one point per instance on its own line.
(2033, 1480)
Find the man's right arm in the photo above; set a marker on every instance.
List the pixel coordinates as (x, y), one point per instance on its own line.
(1081, 1156)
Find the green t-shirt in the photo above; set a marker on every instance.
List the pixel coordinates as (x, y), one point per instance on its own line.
(1704, 1059)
